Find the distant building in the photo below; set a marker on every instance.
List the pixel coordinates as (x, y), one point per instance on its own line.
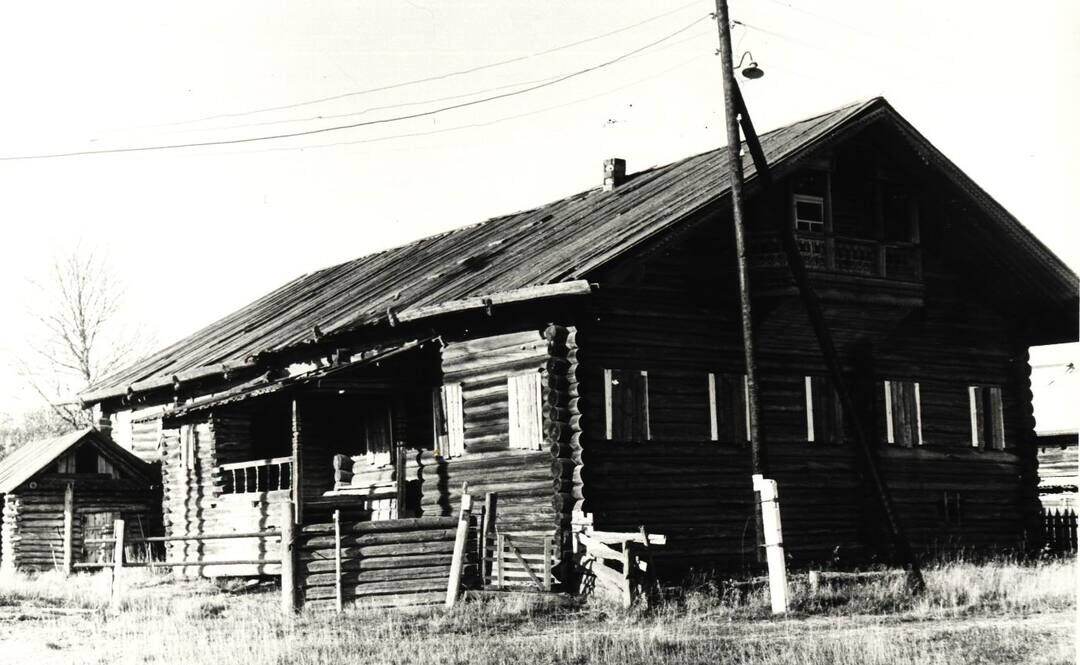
(1055, 384)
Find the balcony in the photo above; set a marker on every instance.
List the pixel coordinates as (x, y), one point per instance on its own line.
(899, 261)
(839, 267)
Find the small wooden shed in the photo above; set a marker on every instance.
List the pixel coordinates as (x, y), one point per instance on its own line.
(70, 488)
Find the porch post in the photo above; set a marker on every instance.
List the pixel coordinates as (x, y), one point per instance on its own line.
(297, 465)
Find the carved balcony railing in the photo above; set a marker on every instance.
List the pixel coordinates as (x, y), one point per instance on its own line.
(848, 256)
(256, 476)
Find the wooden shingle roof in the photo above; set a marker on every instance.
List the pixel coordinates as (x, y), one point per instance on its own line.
(32, 457)
(559, 242)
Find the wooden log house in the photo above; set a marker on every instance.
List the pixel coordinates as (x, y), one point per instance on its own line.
(583, 360)
(72, 488)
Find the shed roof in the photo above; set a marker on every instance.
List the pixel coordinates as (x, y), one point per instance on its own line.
(563, 241)
(32, 457)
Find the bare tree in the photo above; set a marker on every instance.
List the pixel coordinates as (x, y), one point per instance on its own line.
(80, 334)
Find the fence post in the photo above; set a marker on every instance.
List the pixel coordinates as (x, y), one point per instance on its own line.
(547, 563)
(69, 528)
(487, 526)
(118, 562)
(458, 562)
(337, 559)
(289, 597)
(500, 559)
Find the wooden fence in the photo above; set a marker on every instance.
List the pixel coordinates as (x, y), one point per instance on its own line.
(120, 561)
(1059, 527)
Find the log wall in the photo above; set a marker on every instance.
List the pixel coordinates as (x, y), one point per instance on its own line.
(674, 315)
(194, 503)
(383, 563)
(33, 518)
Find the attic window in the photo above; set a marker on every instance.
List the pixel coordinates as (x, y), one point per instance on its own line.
(809, 213)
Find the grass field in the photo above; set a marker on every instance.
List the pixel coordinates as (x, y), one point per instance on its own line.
(999, 612)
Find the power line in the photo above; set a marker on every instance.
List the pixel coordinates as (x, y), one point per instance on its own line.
(487, 123)
(428, 79)
(387, 107)
(336, 128)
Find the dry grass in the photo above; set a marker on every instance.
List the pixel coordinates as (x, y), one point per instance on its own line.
(998, 612)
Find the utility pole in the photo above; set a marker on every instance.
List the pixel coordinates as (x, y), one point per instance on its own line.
(757, 453)
(735, 112)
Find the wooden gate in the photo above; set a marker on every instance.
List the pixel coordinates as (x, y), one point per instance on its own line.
(522, 562)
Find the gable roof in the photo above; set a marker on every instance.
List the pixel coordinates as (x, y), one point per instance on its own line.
(32, 457)
(557, 243)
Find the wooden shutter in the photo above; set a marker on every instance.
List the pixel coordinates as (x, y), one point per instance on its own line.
(903, 413)
(824, 417)
(626, 405)
(188, 436)
(729, 408)
(987, 418)
(454, 413)
(524, 403)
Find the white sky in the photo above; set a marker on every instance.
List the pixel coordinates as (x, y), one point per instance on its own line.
(197, 233)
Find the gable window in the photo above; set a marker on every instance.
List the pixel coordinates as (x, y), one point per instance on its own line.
(824, 417)
(626, 405)
(987, 417)
(524, 393)
(903, 413)
(809, 213)
(729, 408)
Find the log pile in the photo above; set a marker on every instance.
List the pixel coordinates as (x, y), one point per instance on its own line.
(384, 563)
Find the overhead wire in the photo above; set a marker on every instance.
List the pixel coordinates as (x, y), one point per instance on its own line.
(337, 128)
(428, 79)
(387, 107)
(486, 123)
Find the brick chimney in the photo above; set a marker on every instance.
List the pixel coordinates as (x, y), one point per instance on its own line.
(614, 173)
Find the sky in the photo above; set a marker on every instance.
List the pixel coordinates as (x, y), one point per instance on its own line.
(195, 233)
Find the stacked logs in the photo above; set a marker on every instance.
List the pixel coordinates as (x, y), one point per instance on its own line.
(562, 422)
(383, 563)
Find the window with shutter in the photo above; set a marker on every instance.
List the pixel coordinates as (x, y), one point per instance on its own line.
(987, 417)
(449, 418)
(626, 405)
(903, 413)
(524, 403)
(729, 409)
(824, 417)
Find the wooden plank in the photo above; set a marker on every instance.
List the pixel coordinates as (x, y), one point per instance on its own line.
(458, 562)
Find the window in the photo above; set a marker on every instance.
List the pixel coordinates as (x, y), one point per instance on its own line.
(809, 213)
(626, 405)
(987, 417)
(950, 508)
(824, 417)
(377, 431)
(903, 413)
(524, 402)
(729, 408)
(449, 417)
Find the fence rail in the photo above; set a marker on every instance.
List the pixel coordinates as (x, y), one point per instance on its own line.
(120, 543)
(1059, 528)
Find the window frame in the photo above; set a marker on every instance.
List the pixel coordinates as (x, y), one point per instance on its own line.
(986, 398)
(611, 378)
(819, 201)
(890, 424)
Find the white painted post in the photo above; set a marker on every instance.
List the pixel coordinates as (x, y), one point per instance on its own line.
(458, 561)
(118, 562)
(769, 496)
